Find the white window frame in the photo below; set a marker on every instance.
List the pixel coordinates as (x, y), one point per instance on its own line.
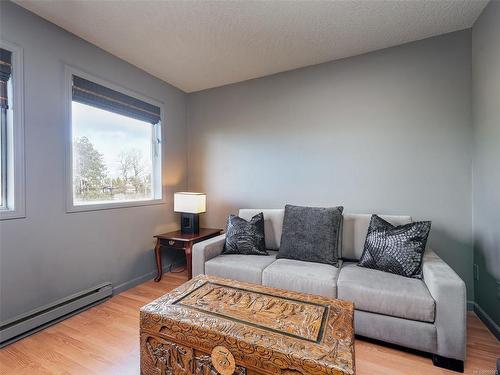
(16, 188)
(157, 174)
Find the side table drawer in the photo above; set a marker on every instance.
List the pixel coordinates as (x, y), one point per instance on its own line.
(173, 243)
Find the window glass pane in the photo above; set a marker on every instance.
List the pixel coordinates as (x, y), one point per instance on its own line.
(112, 157)
(6, 117)
(2, 158)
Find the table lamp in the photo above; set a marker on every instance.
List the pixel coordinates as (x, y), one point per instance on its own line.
(190, 205)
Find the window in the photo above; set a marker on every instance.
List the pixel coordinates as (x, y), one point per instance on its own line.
(11, 133)
(115, 147)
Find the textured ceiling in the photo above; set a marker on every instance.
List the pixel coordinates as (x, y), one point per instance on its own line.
(196, 45)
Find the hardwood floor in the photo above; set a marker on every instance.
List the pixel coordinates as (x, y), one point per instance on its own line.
(105, 340)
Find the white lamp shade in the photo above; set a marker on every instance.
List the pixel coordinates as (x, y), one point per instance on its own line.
(192, 203)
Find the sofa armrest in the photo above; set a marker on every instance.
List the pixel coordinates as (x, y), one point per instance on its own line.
(449, 293)
(204, 251)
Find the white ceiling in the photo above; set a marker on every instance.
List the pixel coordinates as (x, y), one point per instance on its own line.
(195, 45)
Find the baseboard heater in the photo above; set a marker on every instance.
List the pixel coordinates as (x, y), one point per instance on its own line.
(35, 320)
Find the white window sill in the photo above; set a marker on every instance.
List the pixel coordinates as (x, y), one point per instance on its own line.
(12, 214)
(113, 205)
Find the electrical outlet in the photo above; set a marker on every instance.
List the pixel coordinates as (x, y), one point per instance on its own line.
(475, 269)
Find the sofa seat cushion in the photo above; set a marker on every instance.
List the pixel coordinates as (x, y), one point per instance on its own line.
(301, 276)
(385, 293)
(247, 268)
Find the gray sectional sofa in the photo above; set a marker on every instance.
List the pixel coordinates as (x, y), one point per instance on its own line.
(427, 315)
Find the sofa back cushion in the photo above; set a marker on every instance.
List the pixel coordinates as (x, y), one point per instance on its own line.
(355, 228)
(273, 224)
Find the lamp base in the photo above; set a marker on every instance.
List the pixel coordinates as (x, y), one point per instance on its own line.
(190, 223)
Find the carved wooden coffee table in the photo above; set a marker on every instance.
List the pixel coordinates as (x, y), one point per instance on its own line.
(211, 325)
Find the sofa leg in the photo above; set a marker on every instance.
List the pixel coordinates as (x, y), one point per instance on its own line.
(448, 363)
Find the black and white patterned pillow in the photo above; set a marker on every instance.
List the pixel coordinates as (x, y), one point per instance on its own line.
(245, 237)
(395, 249)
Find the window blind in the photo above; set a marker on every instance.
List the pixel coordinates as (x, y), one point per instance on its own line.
(93, 94)
(5, 72)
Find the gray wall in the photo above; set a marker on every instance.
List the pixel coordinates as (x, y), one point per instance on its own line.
(486, 171)
(385, 132)
(51, 254)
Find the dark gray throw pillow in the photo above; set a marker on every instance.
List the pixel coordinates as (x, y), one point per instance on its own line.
(245, 237)
(395, 249)
(311, 234)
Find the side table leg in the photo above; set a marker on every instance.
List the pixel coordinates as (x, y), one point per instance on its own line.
(159, 267)
(189, 260)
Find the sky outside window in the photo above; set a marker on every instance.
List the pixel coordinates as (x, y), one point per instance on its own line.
(112, 156)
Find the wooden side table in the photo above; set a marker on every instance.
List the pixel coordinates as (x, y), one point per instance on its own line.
(179, 241)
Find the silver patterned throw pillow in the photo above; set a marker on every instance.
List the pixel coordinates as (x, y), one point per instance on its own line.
(395, 249)
(245, 237)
